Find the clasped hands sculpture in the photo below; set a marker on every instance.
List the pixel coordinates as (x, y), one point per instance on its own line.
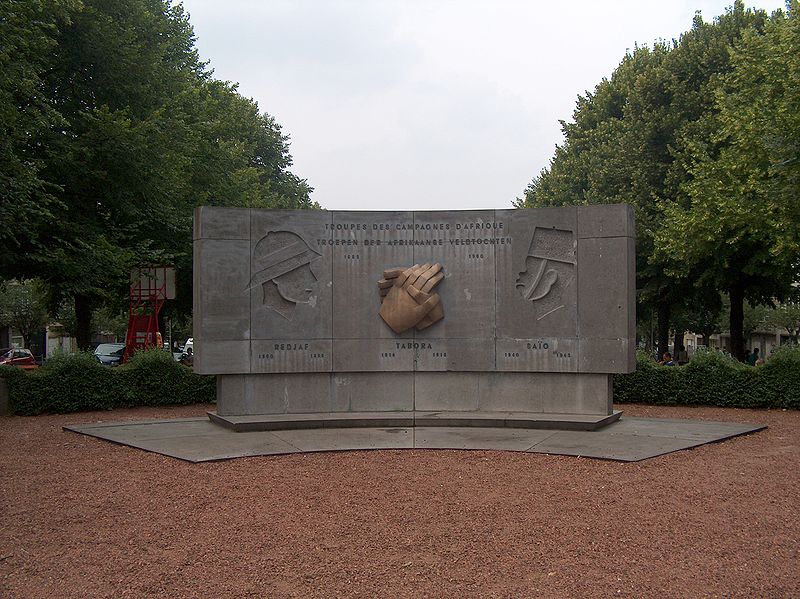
(406, 298)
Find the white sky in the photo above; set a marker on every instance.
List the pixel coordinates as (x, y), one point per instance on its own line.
(414, 105)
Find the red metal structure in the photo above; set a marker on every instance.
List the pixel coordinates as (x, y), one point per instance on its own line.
(150, 287)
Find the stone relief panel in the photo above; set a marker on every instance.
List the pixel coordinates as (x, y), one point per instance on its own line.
(549, 270)
(364, 245)
(537, 291)
(467, 291)
(464, 243)
(290, 275)
(281, 265)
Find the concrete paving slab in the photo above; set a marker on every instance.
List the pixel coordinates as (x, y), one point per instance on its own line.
(340, 439)
(467, 437)
(697, 430)
(620, 447)
(193, 440)
(199, 440)
(152, 430)
(209, 449)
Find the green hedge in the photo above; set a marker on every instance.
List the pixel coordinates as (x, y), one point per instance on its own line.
(77, 382)
(714, 379)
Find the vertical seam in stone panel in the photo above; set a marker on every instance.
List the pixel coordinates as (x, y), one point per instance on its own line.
(494, 326)
(414, 333)
(578, 366)
(332, 296)
(250, 293)
(414, 261)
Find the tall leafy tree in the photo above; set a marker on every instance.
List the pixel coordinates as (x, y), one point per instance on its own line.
(742, 205)
(28, 33)
(630, 142)
(140, 134)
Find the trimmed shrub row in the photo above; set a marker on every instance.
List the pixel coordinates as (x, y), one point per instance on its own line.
(77, 382)
(714, 379)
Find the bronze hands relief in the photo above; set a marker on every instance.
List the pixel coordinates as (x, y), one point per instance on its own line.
(406, 298)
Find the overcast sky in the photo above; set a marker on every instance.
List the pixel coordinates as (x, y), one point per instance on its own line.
(431, 105)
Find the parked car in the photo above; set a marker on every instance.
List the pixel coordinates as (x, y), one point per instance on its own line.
(110, 354)
(19, 358)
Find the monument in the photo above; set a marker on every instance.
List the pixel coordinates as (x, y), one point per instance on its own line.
(490, 317)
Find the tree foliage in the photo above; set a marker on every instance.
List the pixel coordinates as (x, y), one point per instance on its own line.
(672, 133)
(786, 316)
(742, 196)
(27, 31)
(22, 308)
(117, 131)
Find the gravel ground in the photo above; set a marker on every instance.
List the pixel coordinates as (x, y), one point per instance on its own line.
(83, 518)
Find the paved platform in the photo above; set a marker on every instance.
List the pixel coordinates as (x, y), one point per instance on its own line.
(627, 440)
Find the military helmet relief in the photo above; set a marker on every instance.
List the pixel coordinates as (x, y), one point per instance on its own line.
(549, 270)
(281, 263)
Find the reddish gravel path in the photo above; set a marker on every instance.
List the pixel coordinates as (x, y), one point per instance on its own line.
(84, 518)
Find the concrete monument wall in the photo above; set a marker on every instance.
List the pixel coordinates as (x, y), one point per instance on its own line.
(508, 310)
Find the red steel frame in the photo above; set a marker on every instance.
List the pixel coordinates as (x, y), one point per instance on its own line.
(147, 292)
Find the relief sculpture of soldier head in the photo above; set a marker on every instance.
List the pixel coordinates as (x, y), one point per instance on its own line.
(549, 270)
(281, 264)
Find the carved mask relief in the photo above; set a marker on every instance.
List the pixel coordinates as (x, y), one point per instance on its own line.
(406, 298)
(549, 270)
(281, 263)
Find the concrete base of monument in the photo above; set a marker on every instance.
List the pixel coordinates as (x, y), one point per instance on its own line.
(531, 420)
(466, 398)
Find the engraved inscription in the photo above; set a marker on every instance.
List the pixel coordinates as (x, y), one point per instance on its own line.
(284, 349)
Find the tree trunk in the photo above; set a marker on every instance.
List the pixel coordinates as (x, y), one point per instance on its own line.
(663, 328)
(736, 292)
(677, 344)
(83, 322)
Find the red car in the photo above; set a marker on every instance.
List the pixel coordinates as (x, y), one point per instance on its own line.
(21, 358)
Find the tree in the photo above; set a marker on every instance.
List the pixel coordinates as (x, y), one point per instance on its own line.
(28, 31)
(141, 134)
(786, 316)
(615, 151)
(742, 207)
(22, 308)
(704, 315)
(631, 141)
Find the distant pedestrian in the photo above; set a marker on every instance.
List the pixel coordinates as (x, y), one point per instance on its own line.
(753, 357)
(682, 356)
(666, 359)
(747, 356)
(187, 359)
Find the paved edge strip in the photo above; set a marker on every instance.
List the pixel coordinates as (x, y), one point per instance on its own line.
(528, 420)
